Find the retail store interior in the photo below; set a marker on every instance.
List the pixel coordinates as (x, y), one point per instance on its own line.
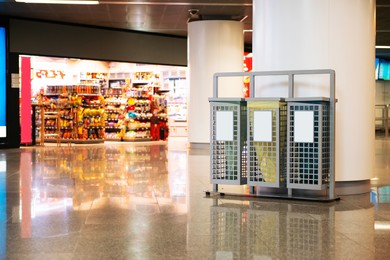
(87, 101)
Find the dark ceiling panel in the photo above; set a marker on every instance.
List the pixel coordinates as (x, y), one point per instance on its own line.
(383, 27)
(159, 16)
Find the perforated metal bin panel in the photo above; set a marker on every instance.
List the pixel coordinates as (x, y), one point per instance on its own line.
(267, 144)
(228, 141)
(308, 145)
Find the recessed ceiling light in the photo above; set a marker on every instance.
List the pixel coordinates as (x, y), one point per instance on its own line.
(67, 2)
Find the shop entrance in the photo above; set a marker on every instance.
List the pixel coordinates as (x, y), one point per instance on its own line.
(89, 101)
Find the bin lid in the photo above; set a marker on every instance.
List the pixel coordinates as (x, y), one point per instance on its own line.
(308, 99)
(226, 99)
(265, 99)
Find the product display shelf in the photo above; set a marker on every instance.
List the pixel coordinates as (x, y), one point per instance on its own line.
(37, 129)
(138, 113)
(79, 115)
(51, 125)
(115, 123)
(94, 78)
(57, 120)
(91, 120)
(67, 118)
(116, 87)
(159, 120)
(81, 89)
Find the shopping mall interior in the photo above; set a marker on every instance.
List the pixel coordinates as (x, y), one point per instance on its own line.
(147, 201)
(115, 143)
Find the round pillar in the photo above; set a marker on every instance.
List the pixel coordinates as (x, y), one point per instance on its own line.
(325, 34)
(213, 46)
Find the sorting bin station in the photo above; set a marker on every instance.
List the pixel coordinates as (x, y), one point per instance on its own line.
(267, 145)
(308, 143)
(280, 143)
(228, 141)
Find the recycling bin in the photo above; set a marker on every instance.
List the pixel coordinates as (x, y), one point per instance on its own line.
(267, 144)
(308, 144)
(228, 130)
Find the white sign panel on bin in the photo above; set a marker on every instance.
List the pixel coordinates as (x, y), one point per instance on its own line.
(303, 126)
(224, 126)
(262, 126)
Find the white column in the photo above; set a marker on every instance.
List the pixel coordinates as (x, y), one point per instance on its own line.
(213, 46)
(325, 34)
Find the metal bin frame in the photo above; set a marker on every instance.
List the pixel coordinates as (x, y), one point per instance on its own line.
(287, 193)
(308, 162)
(228, 157)
(267, 158)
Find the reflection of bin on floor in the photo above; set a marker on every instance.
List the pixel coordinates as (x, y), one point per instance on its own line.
(267, 126)
(308, 159)
(228, 141)
(227, 232)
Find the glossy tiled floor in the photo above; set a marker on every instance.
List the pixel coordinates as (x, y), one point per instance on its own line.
(146, 201)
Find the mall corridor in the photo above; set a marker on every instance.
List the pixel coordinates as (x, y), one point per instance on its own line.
(147, 201)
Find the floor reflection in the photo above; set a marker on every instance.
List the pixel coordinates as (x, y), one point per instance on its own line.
(90, 173)
(147, 201)
(265, 230)
(58, 180)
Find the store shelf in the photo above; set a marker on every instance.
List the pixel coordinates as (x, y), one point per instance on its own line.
(125, 111)
(74, 117)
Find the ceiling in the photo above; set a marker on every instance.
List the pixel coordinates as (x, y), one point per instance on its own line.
(163, 17)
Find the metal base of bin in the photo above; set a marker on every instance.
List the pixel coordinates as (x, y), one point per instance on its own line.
(281, 193)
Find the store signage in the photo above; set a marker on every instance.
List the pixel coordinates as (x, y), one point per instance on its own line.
(49, 74)
(3, 125)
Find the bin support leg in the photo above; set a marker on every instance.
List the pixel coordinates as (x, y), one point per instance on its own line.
(289, 192)
(215, 187)
(252, 190)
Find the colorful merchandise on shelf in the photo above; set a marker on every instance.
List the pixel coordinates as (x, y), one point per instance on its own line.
(81, 113)
(91, 119)
(115, 109)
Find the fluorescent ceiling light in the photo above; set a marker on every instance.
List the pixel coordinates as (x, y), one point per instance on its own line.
(65, 2)
(382, 47)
